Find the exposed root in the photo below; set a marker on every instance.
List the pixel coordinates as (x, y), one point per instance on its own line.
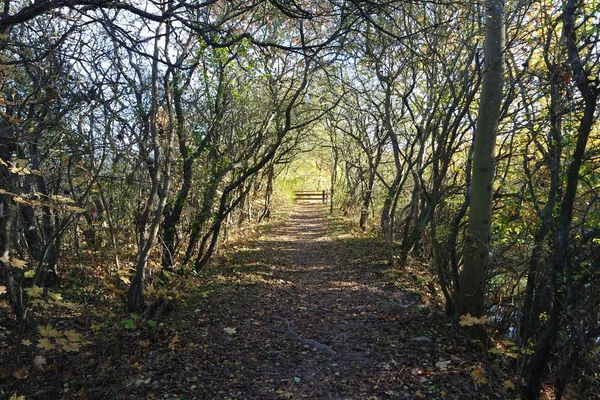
(309, 342)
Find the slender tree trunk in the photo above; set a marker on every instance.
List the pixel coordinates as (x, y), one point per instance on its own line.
(562, 267)
(471, 298)
(173, 215)
(266, 214)
(333, 182)
(160, 181)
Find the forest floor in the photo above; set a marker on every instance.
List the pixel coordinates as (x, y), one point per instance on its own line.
(306, 309)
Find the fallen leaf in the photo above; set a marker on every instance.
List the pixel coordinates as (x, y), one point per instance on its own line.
(2, 289)
(478, 375)
(15, 262)
(49, 331)
(73, 336)
(26, 342)
(230, 331)
(70, 346)
(509, 385)
(21, 373)
(45, 344)
(469, 320)
(39, 362)
(173, 342)
(443, 365)
(34, 291)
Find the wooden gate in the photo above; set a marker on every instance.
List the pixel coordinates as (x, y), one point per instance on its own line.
(321, 195)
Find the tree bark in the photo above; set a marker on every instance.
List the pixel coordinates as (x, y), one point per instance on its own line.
(471, 297)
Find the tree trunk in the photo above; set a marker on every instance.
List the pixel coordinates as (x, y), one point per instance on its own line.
(562, 267)
(471, 296)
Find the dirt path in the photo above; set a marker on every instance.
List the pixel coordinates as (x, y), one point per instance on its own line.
(307, 311)
(306, 315)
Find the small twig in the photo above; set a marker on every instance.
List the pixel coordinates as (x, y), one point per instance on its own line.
(309, 342)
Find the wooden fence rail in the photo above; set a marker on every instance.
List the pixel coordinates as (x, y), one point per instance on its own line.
(322, 195)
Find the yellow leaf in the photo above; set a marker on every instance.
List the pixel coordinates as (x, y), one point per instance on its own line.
(509, 385)
(230, 331)
(69, 346)
(16, 397)
(73, 336)
(2, 289)
(45, 344)
(55, 296)
(20, 171)
(34, 291)
(20, 163)
(115, 290)
(469, 320)
(15, 262)
(4, 259)
(478, 375)
(173, 342)
(96, 327)
(75, 209)
(29, 274)
(62, 199)
(49, 331)
(26, 342)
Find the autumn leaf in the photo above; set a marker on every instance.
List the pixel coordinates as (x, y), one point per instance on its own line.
(2, 289)
(173, 342)
(230, 331)
(70, 346)
(509, 385)
(34, 291)
(15, 262)
(73, 336)
(443, 365)
(21, 373)
(478, 376)
(26, 342)
(75, 209)
(61, 199)
(468, 320)
(39, 362)
(45, 344)
(16, 397)
(55, 296)
(49, 331)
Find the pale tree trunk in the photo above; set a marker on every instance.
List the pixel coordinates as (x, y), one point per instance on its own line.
(160, 177)
(471, 296)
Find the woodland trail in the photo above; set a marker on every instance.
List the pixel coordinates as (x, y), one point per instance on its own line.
(306, 313)
(308, 310)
